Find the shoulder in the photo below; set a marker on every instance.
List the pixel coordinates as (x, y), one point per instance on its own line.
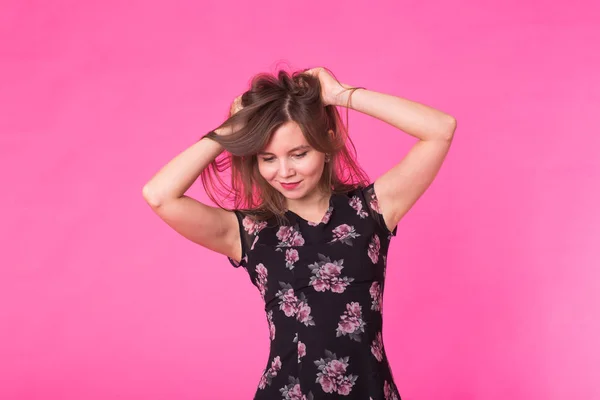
(362, 192)
(253, 221)
(364, 200)
(353, 190)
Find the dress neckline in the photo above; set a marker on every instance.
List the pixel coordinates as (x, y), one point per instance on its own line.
(324, 219)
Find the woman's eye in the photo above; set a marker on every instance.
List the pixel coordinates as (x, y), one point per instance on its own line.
(269, 159)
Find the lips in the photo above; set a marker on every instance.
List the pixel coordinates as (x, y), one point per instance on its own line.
(290, 185)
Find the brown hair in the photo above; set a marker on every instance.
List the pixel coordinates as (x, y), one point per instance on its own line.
(270, 102)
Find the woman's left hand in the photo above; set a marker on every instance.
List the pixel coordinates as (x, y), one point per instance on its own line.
(331, 90)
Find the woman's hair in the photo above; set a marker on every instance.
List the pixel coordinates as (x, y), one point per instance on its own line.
(270, 102)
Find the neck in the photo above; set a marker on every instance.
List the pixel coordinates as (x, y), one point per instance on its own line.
(315, 201)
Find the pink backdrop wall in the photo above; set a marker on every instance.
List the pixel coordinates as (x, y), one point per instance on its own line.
(493, 279)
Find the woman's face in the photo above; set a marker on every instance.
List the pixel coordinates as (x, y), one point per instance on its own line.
(288, 158)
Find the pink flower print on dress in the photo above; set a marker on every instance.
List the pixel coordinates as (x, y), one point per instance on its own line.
(374, 247)
(303, 314)
(377, 347)
(344, 233)
(332, 376)
(325, 218)
(288, 302)
(289, 236)
(269, 374)
(301, 347)
(271, 325)
(254, 242)
(376, 295)
(293, 306)
(261, 279)
(351, 322)
(389, 391)
(301, 350)
(327, 275)
(292, 390)
(375, 205)
(291, 256)
(356, 203)
(253, 227)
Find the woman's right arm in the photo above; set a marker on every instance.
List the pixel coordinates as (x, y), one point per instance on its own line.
(210, 227)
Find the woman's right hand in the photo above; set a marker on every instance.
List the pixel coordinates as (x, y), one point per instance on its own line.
(236, 105)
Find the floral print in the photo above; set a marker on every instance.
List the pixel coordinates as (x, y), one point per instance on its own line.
(374, 247)
(325, 218)
(376, 296)
(377, 347)
(270, 373)
(389, 392)
(322, 287)
(351, 322)
(301, 350)
(327, 275)
(301, 347)
(332, 374)
(261, 279)
(292, 305)
(292, 390)
(375, 205)
(288, 236)
(253, 227)
(291, 256)
(356, 204)
(271, 325)
(344, 233)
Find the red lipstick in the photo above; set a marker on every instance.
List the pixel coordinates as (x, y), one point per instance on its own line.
(290, 186)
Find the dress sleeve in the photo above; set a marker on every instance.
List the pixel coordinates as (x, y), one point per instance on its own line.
(244, 241)
(372, 206)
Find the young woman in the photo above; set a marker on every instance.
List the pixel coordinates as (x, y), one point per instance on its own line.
(306, 224)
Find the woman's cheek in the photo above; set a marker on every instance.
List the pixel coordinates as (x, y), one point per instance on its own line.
(268, 172)
(312, 166)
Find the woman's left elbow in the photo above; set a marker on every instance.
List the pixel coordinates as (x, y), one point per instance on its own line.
(450, 128)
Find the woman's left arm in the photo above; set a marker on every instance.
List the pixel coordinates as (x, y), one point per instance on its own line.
(399, 188)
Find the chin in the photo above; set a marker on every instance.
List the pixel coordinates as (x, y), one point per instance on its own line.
(293, 195)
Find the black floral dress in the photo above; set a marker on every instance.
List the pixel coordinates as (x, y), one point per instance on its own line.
(323, 289)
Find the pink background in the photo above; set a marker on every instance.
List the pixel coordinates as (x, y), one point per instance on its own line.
(493, 285)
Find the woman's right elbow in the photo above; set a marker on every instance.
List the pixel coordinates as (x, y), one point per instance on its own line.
(150, 197)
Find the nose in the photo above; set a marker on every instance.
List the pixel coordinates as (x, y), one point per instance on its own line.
(285, 171)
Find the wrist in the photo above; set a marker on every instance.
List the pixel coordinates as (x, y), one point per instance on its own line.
(222, 131)
(341, 99)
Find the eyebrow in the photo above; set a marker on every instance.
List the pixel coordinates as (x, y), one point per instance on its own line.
(303, 147)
